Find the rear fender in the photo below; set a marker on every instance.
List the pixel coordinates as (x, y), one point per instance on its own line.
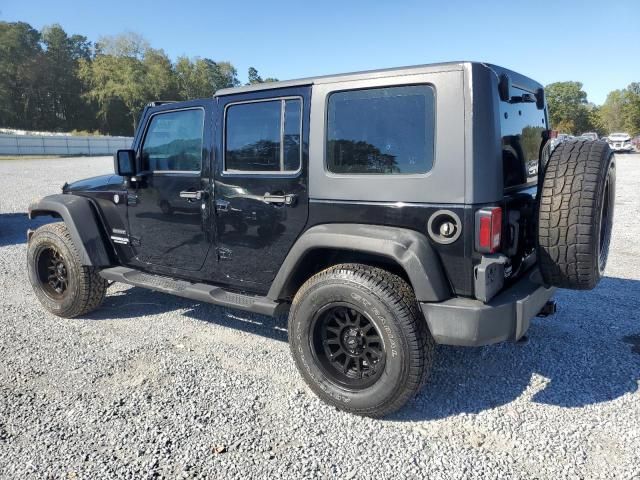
(409, 249)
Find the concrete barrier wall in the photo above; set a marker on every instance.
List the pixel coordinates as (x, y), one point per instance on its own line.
(61, 145)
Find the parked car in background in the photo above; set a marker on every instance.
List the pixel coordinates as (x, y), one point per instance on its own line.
(635, 141)
(560, 137)
(589, 136)
(620, 142)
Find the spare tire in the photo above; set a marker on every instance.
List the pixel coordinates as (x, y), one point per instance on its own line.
(575, 214)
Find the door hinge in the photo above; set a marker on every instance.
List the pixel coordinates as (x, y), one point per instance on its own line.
(223, 253)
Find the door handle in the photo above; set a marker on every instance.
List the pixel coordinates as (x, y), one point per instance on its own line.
(222, 205)
(192, 194)
(289, 199)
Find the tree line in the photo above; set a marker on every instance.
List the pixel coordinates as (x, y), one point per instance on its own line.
(572, 113)
(53, 81)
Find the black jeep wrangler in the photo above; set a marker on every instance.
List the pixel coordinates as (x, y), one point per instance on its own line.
(386, 211)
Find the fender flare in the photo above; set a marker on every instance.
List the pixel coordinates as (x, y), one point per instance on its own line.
(411, 250)
(79, 218)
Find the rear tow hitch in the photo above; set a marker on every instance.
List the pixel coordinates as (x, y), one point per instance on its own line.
(549, 309)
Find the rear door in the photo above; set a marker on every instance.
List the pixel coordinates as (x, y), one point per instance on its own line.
(169, 203)
(261, 197)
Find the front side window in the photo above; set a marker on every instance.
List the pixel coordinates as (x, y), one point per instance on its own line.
(381, 130)
(174, 141)
(263, 136)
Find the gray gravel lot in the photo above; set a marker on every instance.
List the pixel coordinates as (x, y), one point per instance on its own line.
(151, 384)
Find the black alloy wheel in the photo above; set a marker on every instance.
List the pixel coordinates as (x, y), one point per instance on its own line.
(52, 273)
(347, 346)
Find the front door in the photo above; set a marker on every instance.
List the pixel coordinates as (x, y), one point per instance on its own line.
(170, 201)
(261, 197)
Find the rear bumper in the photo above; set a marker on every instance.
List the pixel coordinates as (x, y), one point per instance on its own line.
(470, 322)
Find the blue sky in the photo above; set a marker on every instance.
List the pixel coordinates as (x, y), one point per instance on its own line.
(595, 42)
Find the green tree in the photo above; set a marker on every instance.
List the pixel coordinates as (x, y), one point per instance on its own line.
(127, 73)
(254, 77)
(226, 75)
(159, 76)
(621, 110)
(51, 80)
(632, 113)
(20, 66)
(612, 111)
(202, 77)
(568, 107)
(64, 107)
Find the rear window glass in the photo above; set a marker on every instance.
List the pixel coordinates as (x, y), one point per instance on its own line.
(264, 136)
(381, 131)
(522, 125)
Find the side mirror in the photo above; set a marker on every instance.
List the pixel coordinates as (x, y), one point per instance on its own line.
(124, 163)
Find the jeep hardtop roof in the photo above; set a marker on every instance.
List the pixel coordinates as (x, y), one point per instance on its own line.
(518, 80)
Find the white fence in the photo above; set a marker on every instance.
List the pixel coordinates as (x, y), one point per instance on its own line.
(61, 145)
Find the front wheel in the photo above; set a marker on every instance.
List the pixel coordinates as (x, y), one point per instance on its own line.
(62, 284)
(359, 339)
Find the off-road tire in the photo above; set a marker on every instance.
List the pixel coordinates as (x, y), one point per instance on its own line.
(86, 288)
(575, 214)
(378, 294)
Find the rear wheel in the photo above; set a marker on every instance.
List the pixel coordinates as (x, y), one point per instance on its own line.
(359, 339)
(63, 286)
(575, 217)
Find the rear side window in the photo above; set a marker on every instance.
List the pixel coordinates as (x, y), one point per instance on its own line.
(263, 136)
(522, 125)
(174, 141)
(381, 131)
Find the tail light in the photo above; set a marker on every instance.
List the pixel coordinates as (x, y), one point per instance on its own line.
(488, 229)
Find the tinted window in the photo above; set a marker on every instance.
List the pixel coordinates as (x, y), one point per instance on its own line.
(522, 125)
(174, 141)
(291, 138)
(381, 131)
(263, 136)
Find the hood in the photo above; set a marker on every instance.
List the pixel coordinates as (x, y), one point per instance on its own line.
(619, 137)
(101, 182)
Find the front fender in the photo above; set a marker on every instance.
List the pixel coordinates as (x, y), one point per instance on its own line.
(409, 249)
(80, 220)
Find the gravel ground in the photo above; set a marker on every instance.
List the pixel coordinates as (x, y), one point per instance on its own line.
(156, 386)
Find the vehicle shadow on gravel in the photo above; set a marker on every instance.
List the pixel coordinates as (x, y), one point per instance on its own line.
(584, 355)
(13, 227)
(135, 302)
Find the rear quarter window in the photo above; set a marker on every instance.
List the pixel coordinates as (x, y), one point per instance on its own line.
(522, 125)
(381, 131)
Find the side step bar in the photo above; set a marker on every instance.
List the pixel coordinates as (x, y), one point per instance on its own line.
(194, 291)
